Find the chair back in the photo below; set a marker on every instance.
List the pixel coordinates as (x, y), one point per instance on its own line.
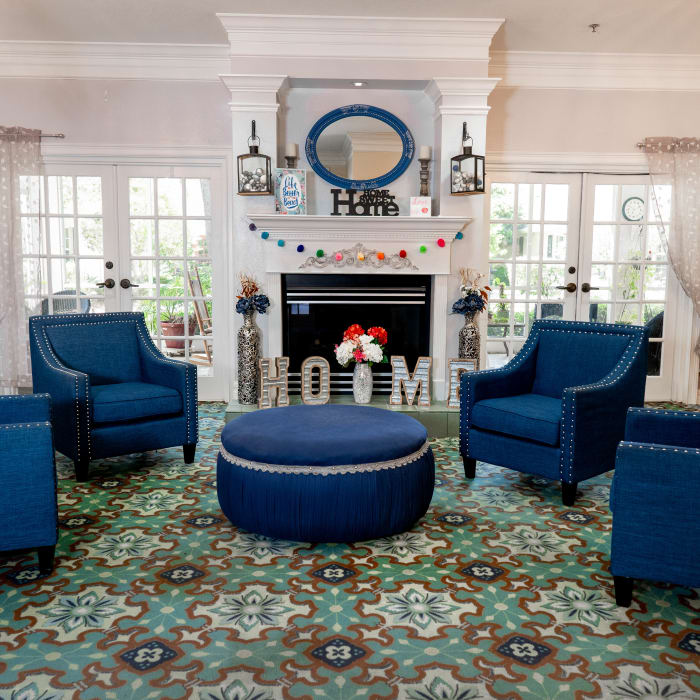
(574, 353)
(103, 346)
(66, 305)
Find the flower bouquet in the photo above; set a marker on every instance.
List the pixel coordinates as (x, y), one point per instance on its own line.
(472, 301)
(364, 349)
(249, 299)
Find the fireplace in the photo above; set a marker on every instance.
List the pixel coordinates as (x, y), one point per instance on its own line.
(318, 308)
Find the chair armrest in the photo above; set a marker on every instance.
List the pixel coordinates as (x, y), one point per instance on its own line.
(516, 377)
(181, 376)
(661, 427)
(69, 390)
(28, 510)
(25, 408)
(594, 415)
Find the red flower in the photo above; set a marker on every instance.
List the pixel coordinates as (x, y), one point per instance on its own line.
(353, 332)
(379, 333)
(359, 355)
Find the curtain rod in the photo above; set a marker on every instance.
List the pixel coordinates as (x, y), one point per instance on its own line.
(43, 136)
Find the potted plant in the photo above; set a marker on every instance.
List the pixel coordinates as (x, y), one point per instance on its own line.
(364, 349)
(172, 322)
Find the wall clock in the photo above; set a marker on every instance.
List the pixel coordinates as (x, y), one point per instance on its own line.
(633, 208)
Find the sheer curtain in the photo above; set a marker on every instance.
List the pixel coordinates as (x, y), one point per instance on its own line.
(677, 160)
(19, 155)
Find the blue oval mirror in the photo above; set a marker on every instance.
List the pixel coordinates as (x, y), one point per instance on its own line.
(359, 147)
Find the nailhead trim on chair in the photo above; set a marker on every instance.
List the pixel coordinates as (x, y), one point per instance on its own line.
(109, 319)
(658, 448)
(569, 396)
(17, 426)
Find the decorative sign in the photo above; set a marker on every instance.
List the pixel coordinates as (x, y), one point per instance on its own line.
(278, 384)
(370, 203)
(420, 206)
(401, 378)
(290, 191)
(456, 367)
(359, 256)
(324, 379)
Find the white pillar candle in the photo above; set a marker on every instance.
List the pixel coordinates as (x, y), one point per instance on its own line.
(292, 150)
(425, 153)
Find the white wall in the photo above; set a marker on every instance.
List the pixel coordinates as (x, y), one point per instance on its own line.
(120, 111)
(545, 121)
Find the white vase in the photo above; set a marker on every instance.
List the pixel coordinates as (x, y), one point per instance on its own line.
(362, 383)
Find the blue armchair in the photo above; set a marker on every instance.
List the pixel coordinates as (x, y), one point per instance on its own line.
(654, 501)
(28, 510)
(558, 408)
(113, 391)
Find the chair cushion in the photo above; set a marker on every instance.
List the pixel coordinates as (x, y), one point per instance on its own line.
(529, 416)
(571, 359)
(113, 403)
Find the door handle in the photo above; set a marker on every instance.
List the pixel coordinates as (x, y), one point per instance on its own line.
(109, 283)
(126, 283)
(586, 287)
(571, 287)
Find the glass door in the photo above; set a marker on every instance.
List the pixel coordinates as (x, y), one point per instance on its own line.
(170, 257)
(533, 255)
(69, 243)
(624, 268)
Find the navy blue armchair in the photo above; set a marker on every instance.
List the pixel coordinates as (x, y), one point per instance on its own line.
(113, 391)
(654, 501)
(558, 408)
(28, 510)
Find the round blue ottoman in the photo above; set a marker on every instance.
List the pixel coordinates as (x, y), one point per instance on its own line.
(332, 473)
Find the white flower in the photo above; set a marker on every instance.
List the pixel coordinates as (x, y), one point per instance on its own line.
(373, 353)
(343, 353)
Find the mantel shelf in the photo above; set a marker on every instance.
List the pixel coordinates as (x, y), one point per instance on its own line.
(366, 228)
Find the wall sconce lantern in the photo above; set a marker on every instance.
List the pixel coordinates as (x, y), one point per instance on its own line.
(467, 169)
(254, 175)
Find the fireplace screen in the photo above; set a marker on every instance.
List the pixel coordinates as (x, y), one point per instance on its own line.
(319, 307)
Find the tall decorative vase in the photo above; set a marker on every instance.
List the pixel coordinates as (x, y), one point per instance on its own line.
(362, 383)
(248, 354)
(470, 340)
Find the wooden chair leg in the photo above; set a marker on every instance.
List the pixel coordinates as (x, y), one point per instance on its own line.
(469, 467)
(46, 556)
(82, 469)
(568, 493)
(624, 587)
(188, 451)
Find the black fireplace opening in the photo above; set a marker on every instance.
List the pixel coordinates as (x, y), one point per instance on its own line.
(318, 308)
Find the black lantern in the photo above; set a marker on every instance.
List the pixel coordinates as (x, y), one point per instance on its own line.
(467, 169)
(254, 169)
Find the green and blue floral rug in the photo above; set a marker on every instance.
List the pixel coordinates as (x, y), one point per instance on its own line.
(500, 591)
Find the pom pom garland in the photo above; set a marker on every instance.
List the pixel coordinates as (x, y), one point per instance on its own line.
(459, 236)
(300, 248)
(264, 235)
(423, 249)
(280, 243)
(441, 242)
(319, 253)
(338, 256)
(380, 255)
(402, 253)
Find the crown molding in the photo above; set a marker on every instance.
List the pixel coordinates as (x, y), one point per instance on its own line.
(596, 71)
(114, 61)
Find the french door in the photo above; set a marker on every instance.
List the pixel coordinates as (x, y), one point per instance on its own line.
(145, 238)
(579, 247)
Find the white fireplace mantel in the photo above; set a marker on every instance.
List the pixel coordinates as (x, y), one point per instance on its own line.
(333, 233)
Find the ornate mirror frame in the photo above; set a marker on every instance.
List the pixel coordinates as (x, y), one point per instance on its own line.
(360, 110)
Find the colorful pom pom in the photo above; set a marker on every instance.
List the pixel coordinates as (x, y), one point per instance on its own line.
(264, 235)
(280, 243)
(319, 253)
(402, 253)
(300, 248)
(459, 236)
(252, 227)
(338, 256)
(423, 249)
(441, 242)
(380, 255)
(360, 256)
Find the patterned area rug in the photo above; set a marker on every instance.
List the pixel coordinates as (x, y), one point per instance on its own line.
(499, 591)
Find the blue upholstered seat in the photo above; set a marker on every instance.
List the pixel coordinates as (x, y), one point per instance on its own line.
(113, 391)
(558, 408)
(654, 500)
(112, 403)
(332, 473)
(530, 416)
(28, 509)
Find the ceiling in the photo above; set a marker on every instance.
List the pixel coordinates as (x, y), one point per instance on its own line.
(626, 26)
